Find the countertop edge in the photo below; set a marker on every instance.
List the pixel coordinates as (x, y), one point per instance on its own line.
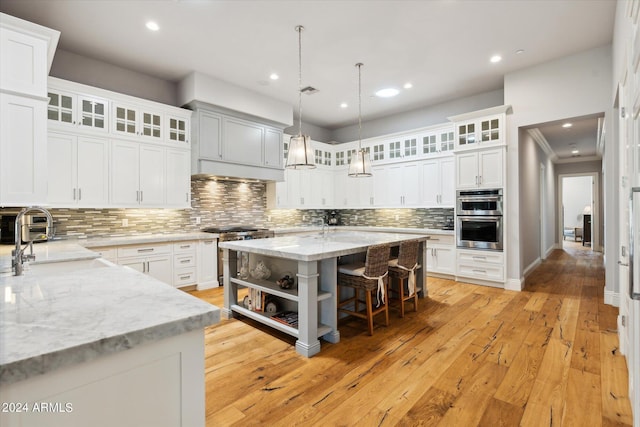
(20, 370)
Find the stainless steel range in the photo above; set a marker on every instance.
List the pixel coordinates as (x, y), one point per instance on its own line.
(236, 232)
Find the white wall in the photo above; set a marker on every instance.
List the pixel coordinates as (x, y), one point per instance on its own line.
(573, 86)
(576, 194)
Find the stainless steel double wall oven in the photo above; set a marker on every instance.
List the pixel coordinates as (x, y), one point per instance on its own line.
(479, 219)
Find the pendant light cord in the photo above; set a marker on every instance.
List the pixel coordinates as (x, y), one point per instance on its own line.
(359, 65)
(299, 28)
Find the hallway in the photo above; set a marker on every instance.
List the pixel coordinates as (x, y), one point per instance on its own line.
(471, 355)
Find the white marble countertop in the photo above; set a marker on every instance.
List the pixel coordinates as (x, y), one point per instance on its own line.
(95, 242)
(312, 228)
(51, 320)
(48, 252)
(313, 247)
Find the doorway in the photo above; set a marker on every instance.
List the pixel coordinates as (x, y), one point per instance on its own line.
(578, 208)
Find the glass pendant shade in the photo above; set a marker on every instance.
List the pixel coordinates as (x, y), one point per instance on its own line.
(300, 154)
(360, 166)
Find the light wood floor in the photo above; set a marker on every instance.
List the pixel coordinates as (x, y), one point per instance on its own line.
(471, 356)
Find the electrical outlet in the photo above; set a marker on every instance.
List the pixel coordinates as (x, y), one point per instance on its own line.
(304, 217)
(198, 220)
(125, 222)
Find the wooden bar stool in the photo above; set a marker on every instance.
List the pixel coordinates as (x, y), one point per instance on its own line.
(404, 267)
(370, 277)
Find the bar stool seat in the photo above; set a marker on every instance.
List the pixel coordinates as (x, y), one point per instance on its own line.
(369, 278)
(402, 274)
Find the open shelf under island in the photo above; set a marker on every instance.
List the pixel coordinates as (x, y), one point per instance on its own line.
(313, 260)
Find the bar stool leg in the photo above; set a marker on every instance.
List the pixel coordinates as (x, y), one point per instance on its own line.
(401, 288)
(369, 312)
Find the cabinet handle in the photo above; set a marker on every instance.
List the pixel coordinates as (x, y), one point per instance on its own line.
(479, 258)
(187, 199)
(480, 180)
(479, 271)
(145, 250)
(140, 196)
(188, 276)
(144, 267)
(435, 240)
(74, 194)
(476, 179)
(185, 261)
(148, 267)
(185, 246)
(137, 196)
(79, 193)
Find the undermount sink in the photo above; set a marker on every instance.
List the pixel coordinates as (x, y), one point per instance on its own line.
(65, 266)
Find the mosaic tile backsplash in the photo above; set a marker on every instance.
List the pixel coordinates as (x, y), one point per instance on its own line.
(221, 203)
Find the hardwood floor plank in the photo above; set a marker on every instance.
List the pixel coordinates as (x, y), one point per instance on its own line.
(471, 355)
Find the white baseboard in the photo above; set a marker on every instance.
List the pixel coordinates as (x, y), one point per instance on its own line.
(208, 285)
(551, 249)
(611, 298)
(531, 267)
(514, 284)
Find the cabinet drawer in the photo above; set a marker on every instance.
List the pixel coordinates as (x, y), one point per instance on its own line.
(132, 251)
(440, 239)
(110, 254)
(184, 260)
(484, 271)
(480, 257)
(183, 247)
(184, 277)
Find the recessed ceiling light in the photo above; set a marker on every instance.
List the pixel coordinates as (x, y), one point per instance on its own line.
(567, 125)
(519, 51)
(575, 151)
(496, 58)
(344, 105)
(274, 76)
(153, 26)
(387, 93)
(408, 86)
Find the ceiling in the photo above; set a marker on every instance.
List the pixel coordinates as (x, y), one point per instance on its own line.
(563, 140)
(442, 47)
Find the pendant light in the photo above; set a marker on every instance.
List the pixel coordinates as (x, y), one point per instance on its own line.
(360, 166)
(300, 154)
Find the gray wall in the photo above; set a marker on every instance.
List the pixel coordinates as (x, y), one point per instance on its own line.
(316, 133)
(573, 86)
(81, 69)
(420, 117)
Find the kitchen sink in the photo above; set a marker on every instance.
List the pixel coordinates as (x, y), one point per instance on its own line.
(65, 266)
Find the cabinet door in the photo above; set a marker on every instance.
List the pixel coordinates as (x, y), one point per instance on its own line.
(92, 112)
(273, 148)
(326, 188)
(467, 170)
(61, 163)
(178, 178)
(152, 170)
(340, 188)
(93, 172)
(177, 129)
(23, 150)
(138, 264)
(411, 184)
(161, 268)
(490, 168)
(396, 193)
(445, 260)
(125, 120)
(24, 66)
(62, 107)
(282, 190)
(490, 130)
(381, 190)
(447, 182)
(207, 261)
(242, 142)
(150, 125)
(209, 136)
(125, 173)
(431, 183)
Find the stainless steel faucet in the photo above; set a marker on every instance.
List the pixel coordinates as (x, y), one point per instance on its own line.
(325, 227)
(18, 254)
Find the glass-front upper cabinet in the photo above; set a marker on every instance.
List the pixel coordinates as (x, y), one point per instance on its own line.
(490, 130)
(394, 150)
(476, 128)
(70, 109)
(410, 147)
(466, 134)
(318, 157)
(429, 144)
(447, 141)
(132, 120)
(178, 130)
(327, 158)
(378, 152)
(340, 158)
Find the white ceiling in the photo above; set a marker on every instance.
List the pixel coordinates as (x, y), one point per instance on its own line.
(581, 136)
(441, 46)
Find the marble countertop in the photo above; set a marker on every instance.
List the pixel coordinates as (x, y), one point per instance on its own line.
(313, 247)
(48, 252)
(312, 228)
(95, 242)
(51, 320)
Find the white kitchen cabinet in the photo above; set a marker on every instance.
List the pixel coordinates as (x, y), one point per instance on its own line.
(177, 178)
(242, 142)
(68, 110)
(483, 131)
(154, 260)
(380, 182)
(137, 121)
(184, 264)
(321, 188)
(207, 264)
(23, 150)
(273, 148)
(278, 192)
(27, 53)
(441, 255)
(178, 129)
(478, 265)
(404, 184)
(137, 177)
(438, 182)
(480, 169)
(352, 192)
(78, 170)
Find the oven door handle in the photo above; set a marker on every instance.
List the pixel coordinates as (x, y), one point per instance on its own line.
(480, 218)
(480, 199)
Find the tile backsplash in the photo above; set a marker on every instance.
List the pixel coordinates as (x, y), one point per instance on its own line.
(220, 203)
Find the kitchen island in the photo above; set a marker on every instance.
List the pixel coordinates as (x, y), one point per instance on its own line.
(86, 342)
(313, 259)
